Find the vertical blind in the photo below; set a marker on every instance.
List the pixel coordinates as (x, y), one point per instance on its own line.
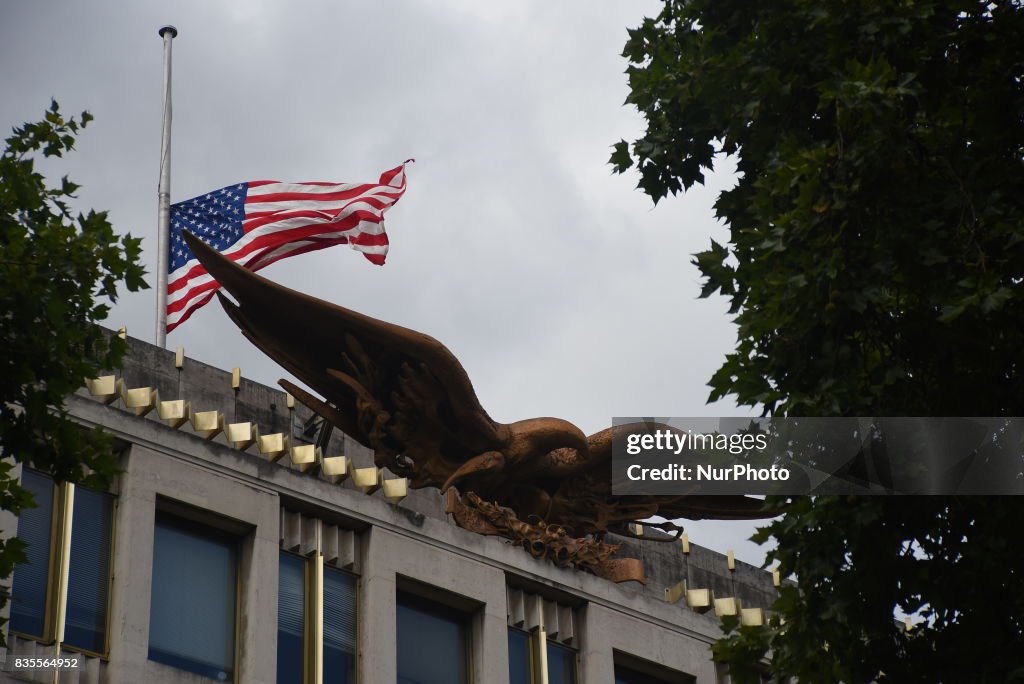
(291, 619)
(339, 627)
(88, 571)
(89, 575)
(28, 591)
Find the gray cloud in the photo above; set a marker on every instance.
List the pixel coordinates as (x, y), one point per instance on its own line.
(555, 282)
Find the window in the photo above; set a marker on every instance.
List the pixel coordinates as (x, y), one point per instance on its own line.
(541, 639)
(630, 669)
(339, 627)
(89, 575)
(77, 616)
(291, 620)
(31, 579)
(561, 663)
(432, 643)
(306, 621)
(522, 659)
(193, 600)
(624, 675)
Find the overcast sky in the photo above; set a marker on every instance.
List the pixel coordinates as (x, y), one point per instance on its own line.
(560, 287)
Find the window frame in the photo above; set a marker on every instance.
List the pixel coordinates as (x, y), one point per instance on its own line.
(650, 669)
(187, 518)
(308, 615)
(418, 595)
(47, 637)
(558, 644)
(537, 646)
(357, 607)
(314, 570)
(60, 522)
(531, 653)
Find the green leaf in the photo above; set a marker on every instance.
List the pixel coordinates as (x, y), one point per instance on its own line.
(620, 158)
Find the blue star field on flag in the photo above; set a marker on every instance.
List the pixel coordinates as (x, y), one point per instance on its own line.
(216, 218)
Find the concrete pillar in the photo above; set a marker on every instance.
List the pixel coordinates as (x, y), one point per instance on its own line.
(604, 631)
(377, 633)
(250, 512)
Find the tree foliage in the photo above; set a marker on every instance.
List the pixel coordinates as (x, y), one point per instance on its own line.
(875, 267)
(58, 272)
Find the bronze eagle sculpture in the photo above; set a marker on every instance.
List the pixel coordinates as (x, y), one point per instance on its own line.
(402, 394)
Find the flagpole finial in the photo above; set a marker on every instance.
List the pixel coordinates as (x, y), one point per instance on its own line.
(168, 29)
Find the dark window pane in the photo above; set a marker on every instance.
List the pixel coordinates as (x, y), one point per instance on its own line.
(89, 572)
(192, 613)
(28, 602)
(518, 657)
(339, 627)
(561, 664)
(431, 644)
(624, 675)
(291, 619)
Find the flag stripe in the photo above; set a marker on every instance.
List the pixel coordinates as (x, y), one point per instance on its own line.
(282, 192)
(260, 222)
(328, 209)
(288, 219)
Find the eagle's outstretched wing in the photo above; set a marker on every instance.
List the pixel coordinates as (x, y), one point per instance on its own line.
(394, 390)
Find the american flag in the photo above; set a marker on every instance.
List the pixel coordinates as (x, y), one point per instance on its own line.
(260, 222)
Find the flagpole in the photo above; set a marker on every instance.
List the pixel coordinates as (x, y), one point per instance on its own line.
(164, 195)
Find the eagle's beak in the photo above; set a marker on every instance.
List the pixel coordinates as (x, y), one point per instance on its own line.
(488, 462)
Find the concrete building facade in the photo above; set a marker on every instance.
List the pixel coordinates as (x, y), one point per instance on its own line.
(397, 553)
